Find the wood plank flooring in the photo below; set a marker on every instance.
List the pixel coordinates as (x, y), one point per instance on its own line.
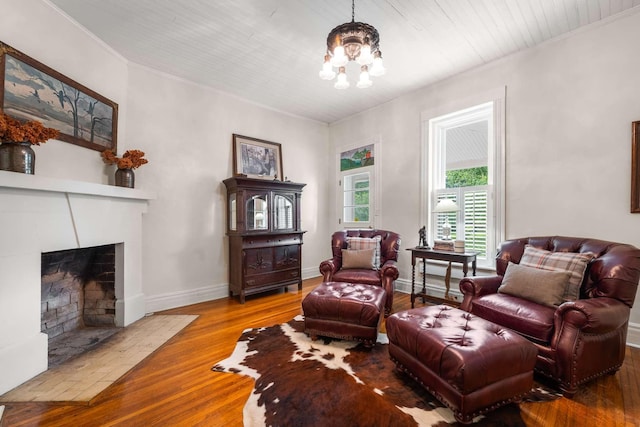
(176, 387)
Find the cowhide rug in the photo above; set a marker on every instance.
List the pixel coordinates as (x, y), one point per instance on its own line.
(299, 382)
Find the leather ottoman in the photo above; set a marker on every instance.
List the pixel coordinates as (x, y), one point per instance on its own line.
(345, 311)
(469, 364)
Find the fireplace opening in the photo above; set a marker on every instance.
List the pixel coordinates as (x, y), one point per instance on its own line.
(77, 300)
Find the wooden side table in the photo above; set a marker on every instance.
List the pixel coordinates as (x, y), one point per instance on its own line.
(423, 253)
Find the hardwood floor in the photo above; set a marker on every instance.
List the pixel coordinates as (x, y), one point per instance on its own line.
(176, 387)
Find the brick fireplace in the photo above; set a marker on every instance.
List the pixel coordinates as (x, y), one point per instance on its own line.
(40, 215)
(78, 289)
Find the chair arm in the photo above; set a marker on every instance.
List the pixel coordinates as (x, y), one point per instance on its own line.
(388, 274)
(588, 340)
(389, 270)
(480, 285)
(328, 268)
(592, 315)
(477, 286)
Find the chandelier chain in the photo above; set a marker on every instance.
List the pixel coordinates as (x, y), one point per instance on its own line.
(353, 10)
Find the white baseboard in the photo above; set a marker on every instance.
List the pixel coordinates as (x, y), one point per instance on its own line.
(206, 293)
(404, 286)
(308, 273)
(182, 298)
(633, 335)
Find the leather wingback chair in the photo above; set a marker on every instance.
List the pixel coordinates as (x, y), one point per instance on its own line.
(386, 274)
(579, 340)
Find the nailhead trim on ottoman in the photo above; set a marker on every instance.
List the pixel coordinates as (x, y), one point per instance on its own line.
(345, 311)
(468, 363)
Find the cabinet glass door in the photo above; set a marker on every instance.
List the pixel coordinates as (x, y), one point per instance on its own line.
(232, 212)
(283, 211)
(257, 213)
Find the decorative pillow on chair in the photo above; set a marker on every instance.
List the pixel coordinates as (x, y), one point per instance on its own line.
(363, 258)
(535, 284)
(359, 243)
(575, 263)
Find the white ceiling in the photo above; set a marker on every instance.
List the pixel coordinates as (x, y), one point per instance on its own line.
(270, 51)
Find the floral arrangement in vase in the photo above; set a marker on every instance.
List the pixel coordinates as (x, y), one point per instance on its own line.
(13, 130)
(131, 159)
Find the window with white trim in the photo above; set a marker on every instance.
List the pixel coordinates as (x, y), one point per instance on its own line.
(356, 206)
(465, 163)
(357, 169)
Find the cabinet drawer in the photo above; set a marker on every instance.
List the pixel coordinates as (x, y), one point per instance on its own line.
(270, 278)
(269, 241)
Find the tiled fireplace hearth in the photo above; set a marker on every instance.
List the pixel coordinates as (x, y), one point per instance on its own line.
(40, 215)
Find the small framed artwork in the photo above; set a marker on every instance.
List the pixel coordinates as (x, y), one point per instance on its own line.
(256, 158)
(635, 167)
(29, 90)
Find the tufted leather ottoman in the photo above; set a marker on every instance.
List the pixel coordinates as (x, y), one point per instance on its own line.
(467, 363)
(345, 311)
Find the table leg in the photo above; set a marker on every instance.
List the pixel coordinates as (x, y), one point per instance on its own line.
(424, 280)
(473, 266)
(413, 281)
(447, 281)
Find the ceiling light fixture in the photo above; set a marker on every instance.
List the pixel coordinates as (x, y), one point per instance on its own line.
(353, 41)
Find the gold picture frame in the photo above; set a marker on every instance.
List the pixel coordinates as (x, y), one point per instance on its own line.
(257, 158)
(30, 90)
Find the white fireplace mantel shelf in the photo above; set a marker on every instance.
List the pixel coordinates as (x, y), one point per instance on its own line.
(43, 183)
(40, 214)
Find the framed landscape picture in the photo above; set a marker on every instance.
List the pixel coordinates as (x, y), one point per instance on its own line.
(30, 90)
(256, 158)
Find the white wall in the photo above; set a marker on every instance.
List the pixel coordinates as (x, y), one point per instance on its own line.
(186, 131)
(570, 104)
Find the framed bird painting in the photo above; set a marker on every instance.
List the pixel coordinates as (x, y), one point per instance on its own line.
(30, 90)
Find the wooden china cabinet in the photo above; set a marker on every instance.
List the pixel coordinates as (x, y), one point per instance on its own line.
(265, 238)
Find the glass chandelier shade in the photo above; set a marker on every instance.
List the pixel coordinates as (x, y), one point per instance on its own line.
(342, 82)
(353, 41)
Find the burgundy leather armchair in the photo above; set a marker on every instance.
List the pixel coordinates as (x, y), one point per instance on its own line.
(386, 274)
(579, 340)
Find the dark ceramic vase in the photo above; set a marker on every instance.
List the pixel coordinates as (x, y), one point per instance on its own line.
(125, 178)
(17, 157)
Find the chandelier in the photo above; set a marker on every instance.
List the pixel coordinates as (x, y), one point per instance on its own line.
(352, 41)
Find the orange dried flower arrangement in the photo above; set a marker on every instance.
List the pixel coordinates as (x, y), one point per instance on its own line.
(13, 130)
(131, 159)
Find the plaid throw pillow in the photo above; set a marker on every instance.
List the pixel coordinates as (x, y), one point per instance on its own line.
(359, 243)
(575, 263)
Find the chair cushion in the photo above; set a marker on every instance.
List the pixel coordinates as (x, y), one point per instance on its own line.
(542, 286)
(359, 243)
(533, 320)
(575, 263)
(358, 275)
(364, 258)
